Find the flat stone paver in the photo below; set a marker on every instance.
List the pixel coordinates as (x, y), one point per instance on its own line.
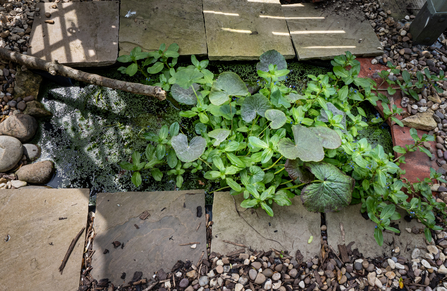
(149, 244)
(84, 34)
(361, 231)
(244, 30)
(292, 226)
(162, 21)
(318, 34)
(39, 240)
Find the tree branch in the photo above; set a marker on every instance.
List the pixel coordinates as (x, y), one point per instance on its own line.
(57, 69)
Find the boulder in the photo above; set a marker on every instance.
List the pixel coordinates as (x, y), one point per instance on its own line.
(37, 173)
(36, 109)
(31, 151)
(11, 152)
(423, 121)
(26, 83)
(20, 126)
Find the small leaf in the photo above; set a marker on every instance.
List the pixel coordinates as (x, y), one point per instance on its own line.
(227, 84)
(174, 129)
(307, 145)
(124, 59)
(249, 203)
(132, 69)
(233, 185)
(220, 135)
(257, 143)
(333, 192)
(255, 104)
(297, 173)
(136, 179)
(272, 57)
(378, 235)
(277, 118)
(282, 199)
(172, 159)
(185, 96)
(188, 153)
(157, 174)
(155, 68)
(329, 138)
(267, 208)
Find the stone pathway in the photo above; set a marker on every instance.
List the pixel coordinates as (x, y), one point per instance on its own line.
(151, 230)
(86, 33)
(36, 228)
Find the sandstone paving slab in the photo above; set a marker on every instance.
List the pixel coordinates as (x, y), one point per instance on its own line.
(361, 231)
(322, 34)
(149, 244)
(162, 21)
(291, 226)
(84, 34)
(244, 30)
(38, 239)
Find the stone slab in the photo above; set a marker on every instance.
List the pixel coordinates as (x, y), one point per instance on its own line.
(84, 34)
(155, 244)
(292, 226)
(38, 240)
(244, 30)
(361, 231)
(322, 34)
(162, 21)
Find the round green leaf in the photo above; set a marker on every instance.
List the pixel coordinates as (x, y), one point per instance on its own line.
(272, 57)
(227, 84)
(307, 145)
(132, 69)
(136, 179)
(298, 173)
(220, 135)
(332, 193)
(277, 118)
(185, 96)
(329, 138)
(256, 104)
(188, 153)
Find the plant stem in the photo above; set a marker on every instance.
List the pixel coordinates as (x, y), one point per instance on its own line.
(286, 182)
(279, 171)
(253, 124)
(206, 163)
(263, 130)
(297, 186)
(221, 189)
(198, 100)
(274, 163)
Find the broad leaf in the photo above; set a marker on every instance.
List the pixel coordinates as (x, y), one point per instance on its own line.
(185, 77)
(185, 96)
(277, 118)
(272, 57)
(331, 193)
(307, 145)
(298, 173)
(220, 135)
(256, 104)
(188, 153)
(329, 138)
(227, 84)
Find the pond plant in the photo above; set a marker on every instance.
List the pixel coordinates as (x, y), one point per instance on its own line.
(277, 143)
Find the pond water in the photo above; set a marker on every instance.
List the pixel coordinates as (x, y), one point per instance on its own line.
(93, 129)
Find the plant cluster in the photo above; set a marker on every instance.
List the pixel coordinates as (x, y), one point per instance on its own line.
(278, 143)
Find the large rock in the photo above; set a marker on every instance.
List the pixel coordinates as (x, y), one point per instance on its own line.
(31, 151)
(423, 121)
(20, 126)
(36, 109)
(11, 152)
(37, 173)
(27, 83)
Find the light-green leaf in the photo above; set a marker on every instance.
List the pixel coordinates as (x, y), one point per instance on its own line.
(277, 118)
(227, 84)
(255, 104)
(132, 69)
(329, 138)
(220, 135)
(136, 179)
(188, 153)
(185, 96)
(233, 185)
(257, 143)
(155, 68)
(307, 145)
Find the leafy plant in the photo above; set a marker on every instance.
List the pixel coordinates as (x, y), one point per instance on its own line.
(279, 143)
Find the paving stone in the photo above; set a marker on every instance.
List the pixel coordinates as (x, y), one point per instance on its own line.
(84, 34)
(244, 30)
(292, 226)
(162, 21)
(317, 34)
(361, 231)
(155, 243)
(38, 240)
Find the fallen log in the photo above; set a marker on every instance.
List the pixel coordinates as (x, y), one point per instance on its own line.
(57, 69)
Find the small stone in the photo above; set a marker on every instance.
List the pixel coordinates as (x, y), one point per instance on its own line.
(267, 272)
(400, 266)
(416, 253)
(365, 264)
(301, 284)
(372, 278)
(442, 270)
(256, 265)
(17, 183)
(203, 281)
(391, 263)
(432, 249)
(226, 261)
(276, 285)
(343, 279)
(47, 14)
(252, 273)
(238, 287)
(358, 266)
(276, 277)
(194, 246)
(11, 152)
(268, 285)
(260, 278)
(293, 273)
(323, 227)
(37, 173)
(390, 275)
(192, 274)
(426, 264)
(219, 269)
(184, 283)
(378, 283)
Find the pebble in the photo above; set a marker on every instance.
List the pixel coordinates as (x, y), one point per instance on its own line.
(267, 272)
(391, 263)
(256, 265)
(268, 285)
(301, 284)
(432, 249)
(276, 276)
(293, 273)
(358, 266)
(371, 278)
(426, 264)
(11, 152)
(219, 269)
(416, 253)
(37, 173)
(260, 278)
(184, 283)
(203, 280)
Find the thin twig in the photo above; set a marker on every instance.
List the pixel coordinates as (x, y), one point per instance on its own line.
(239, 245)
(198, 226)
(70, 249)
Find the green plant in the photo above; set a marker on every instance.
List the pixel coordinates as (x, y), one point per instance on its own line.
(279, 143)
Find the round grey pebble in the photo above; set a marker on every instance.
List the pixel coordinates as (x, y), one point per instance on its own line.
(203, 280)
(31, 151)
(358, 266)
(184, 283)
(252, 274)
(21, 105)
